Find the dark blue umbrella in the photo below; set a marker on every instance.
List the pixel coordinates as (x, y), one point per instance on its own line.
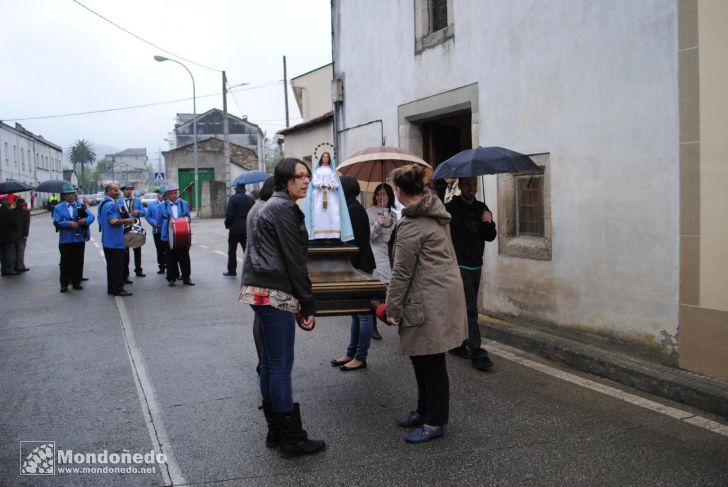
(250, 177)
(484, 160)
(14, 187)
(55, 186)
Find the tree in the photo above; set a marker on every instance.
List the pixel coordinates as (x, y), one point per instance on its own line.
(82, 152)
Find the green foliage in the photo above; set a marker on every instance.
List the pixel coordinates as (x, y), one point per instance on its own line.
(82, 153)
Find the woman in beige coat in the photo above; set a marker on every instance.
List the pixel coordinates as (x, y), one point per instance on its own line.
(425, 299)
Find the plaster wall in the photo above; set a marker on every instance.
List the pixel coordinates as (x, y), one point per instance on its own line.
(301, 144)
(594, 84)
(315, 98)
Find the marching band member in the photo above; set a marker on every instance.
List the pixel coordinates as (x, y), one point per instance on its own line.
(174, 207)
(82, 208)
(71, 238)
(151, 216)
(112, 238)
(133, 207)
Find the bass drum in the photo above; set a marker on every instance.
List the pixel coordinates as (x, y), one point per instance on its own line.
(180, 233)
(135, 237)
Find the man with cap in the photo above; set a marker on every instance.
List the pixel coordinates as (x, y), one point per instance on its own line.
(174, 207)
(151, 215)
(71, 237)
(134, 208)
(112, 224)
(236, 214)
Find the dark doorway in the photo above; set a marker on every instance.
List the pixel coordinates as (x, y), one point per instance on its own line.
(444, 137)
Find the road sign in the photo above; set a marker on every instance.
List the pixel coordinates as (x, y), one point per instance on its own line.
(159, 177)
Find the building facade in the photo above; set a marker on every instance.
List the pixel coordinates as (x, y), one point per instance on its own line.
(28, 158)
(312, 91)
(129, 165)
(622, 105)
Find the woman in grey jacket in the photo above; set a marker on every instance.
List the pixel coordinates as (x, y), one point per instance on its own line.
(276, 285)
(425, 299)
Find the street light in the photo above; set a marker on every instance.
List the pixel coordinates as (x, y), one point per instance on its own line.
(198, 202)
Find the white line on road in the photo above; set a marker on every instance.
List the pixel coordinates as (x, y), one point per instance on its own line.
(700, 421)
(152, 412)
(101, 253)
(220, 252)
(240, 260)
(96, 244)
(204, 246)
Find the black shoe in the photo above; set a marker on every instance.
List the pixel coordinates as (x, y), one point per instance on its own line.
(294, 439)
(231, 275)
(12, 273)
(273, 438)
(344, 368)
(127, 281)
(64, 289)
(25, 269)
(187, 282)
(171, 284)
(161, 271)
(339, 363)
(461, 351)
(123, 293)
(376, 335)
(84, 278)
(77, 287)
(140, 274)
(482, 364)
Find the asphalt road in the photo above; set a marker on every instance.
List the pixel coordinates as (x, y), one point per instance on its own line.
(172, 370)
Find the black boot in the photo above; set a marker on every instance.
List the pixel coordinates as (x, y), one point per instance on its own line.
(273, 439)
(294, 439)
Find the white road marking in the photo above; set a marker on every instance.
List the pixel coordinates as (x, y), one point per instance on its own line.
(204, 246)
(147, 397)
(220, 252)
(96, 244)
(101, 253)
(240, 260)
(699, 421)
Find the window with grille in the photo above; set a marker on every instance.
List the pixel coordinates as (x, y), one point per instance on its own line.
(529, 205)
(438, 15)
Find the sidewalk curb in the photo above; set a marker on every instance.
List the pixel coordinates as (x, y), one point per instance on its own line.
(679, 385)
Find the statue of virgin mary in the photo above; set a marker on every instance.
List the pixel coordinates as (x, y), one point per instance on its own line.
(327, 216)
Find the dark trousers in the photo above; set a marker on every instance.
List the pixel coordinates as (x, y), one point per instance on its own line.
(137, 260)
(71, 263)
(178, 261)
(433, 388)
(278, 337)
(114, 270)
(7, 257)
(233, 240)
(161, 256)
(471, 283)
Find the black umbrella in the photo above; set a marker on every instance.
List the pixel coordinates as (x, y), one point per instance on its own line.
(52, 186)
(8, 187)
(484, 160)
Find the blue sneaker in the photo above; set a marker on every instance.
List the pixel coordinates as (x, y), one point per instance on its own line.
(230, 275)
(425, 433)
(411, 420)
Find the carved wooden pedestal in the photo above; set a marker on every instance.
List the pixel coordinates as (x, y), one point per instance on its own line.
(338, 288)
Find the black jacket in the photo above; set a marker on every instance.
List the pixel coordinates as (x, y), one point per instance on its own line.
(469, 232)
(8, 225)
(236, 212)
(23, 227)
(364, 259)
(277, 249)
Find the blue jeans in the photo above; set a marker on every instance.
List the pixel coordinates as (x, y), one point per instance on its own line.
(278, 336)
(361, 336)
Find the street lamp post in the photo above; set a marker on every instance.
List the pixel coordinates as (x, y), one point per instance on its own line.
(198, 201)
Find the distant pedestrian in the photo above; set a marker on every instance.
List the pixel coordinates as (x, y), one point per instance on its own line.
(236, 214)
(112, 239)
(71, 238)
(360, 331)
(472, 225)
(8, 237)
(425, 299)
(23, 229)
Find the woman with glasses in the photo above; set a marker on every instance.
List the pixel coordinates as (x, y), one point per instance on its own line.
(425, 299)
(277, 286)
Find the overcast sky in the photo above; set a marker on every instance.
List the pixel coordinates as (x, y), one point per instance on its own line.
(59, 58)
